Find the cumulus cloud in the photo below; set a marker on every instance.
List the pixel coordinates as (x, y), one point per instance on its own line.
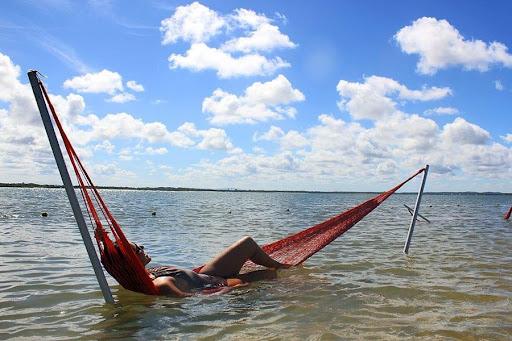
(372, 99)
(21, 129)
(293, 140)
(440, 45)
(156, 151)
(133, 85)
(106, 145)
(332, 153)
(202, 57)
(462, 132)
(336, 150)
(264, 37)
(191, 23)
(272, 134)
(122, 97)
(287, 141)
(507, 138)
(105, 81)
(248, 35)
(260, 102)
(441, 111)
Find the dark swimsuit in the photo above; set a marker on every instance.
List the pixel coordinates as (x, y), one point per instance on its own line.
(192, 280)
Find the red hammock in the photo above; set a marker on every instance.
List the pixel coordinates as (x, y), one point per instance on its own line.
(120, 261)
(508, 214)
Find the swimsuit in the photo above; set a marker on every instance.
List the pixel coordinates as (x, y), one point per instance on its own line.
(191, 279)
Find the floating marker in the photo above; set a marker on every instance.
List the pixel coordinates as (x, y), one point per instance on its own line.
(44, 214)
(153, 213)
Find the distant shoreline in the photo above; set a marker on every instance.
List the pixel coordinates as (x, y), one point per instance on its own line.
(188, 189)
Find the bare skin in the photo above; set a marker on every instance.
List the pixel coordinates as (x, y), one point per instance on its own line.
(226, 265)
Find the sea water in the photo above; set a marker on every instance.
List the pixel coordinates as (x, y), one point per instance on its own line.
(456, 283)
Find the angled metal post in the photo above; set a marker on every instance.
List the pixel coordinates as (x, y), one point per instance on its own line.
(70, 191)
(416, 211)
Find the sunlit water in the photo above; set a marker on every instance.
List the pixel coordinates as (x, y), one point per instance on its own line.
(456, 282)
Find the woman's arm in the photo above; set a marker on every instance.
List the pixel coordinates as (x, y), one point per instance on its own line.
(166, 286)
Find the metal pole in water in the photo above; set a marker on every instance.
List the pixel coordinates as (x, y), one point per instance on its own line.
(416, 210)
(70, 191)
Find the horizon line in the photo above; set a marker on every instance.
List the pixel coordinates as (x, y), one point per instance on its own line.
(193, 189)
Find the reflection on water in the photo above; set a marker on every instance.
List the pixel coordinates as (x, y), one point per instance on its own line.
(456, 283)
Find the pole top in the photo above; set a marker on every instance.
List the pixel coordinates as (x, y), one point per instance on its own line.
(36, 72)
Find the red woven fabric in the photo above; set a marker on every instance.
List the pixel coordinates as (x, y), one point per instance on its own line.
(296, 248)
(508, 214)
(119, 259)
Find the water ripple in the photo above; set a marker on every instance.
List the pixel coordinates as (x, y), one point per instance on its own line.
(456, 283)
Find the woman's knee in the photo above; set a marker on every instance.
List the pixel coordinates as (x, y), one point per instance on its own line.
(246, 240)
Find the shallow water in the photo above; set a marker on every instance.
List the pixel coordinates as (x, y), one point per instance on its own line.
(456, 283)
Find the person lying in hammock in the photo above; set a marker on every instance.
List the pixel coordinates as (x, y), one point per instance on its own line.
(221, 271)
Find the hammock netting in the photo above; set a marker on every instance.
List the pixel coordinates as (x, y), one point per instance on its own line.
(121, 262)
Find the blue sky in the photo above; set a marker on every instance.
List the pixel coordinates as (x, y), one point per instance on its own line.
(289, 95)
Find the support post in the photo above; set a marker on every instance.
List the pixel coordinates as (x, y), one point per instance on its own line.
(416, 211)
(70, 191)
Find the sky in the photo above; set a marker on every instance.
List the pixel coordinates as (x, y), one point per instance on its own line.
(269, 95)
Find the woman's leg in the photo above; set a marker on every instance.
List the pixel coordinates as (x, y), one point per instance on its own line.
(231, 260)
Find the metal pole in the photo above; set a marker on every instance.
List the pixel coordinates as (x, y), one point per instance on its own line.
(70, 191)
(416, 210)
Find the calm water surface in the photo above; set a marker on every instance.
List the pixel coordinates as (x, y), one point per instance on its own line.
(455, 284)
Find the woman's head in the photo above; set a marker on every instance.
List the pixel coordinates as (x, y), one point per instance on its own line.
(141, 254)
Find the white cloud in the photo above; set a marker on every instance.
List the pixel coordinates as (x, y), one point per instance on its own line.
(498, 85)
(371, 99)
(214, 138)
(462, 132)
(507, 138)
(238, 55)
(260, 102)
(288, 141)
(104, 81)
(440, 45)
(106, 145)
(202, 57)
(194, 23)
(122, 97)
(110, 171)
(293, 140)
(21, 129)
(272, 134)
(125, 154)
(156, 151)
(133, 85)
(442, 111)
(263, 37)
(125, 126)
(332, 154)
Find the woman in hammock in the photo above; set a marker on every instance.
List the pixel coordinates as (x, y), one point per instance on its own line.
(221, 271)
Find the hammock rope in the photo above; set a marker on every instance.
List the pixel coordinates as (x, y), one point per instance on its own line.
(121, 262)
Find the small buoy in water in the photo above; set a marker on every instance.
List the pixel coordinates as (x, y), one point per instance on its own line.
(44, 214)
(229, 212)
(287, 210)
(153, 213)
